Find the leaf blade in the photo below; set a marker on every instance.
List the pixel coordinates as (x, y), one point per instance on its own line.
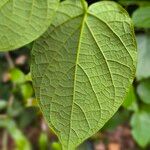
(24, 21)
(73, 79)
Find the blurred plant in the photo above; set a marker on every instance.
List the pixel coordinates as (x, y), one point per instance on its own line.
(140, 120)
(18, 108)
(21, 141)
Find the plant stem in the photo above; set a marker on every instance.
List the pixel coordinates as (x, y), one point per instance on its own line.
(5, 140)
(11, 66)
(9, 60)
(11, 99)
(84, 5)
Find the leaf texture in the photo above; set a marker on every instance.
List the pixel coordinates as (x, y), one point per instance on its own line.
(22, 21)
(82, 68)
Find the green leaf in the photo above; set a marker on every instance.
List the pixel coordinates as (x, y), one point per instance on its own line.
(43, 141)
(56, 146)
(143, 91)
(145, 107)
(140, 127)
(130, 98)
(3, 104)
(17, 76)
(143, 69)
(130, 102)
(135, 2)
(121, 117)
(141, 17)
(28, 77)
(82, 68)
(23, 21)
(21, 141)
(26, 90)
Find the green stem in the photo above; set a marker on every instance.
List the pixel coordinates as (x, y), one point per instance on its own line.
(84, 5)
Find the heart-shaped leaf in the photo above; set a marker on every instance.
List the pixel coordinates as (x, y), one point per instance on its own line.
(22, 21)
(83, 67)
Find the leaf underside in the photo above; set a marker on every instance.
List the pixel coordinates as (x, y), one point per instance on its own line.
(82, 68)
(22, 21)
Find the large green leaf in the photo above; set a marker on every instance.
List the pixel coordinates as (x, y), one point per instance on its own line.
(140, 123)
(141, 17)
(143, 66)
(83, 67)
(22, 21)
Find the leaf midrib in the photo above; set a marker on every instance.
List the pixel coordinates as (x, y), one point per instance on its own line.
(4, 3)
(76, 65)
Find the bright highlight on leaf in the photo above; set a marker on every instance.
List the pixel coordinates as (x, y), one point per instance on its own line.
(83, 67)
(22, 21)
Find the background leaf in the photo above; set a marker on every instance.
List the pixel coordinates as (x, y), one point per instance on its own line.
(141, 17)
(26, 90)
(143, 91)
(130, 98)
(143, 69)
(22, 21)
(56, 146)
(3, 104)
(133, 2)
(140, 127)
(17, 76)
(43, 141)
(82, 68)
(21, 141)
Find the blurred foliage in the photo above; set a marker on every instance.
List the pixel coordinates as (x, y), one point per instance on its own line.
(22, 126)
(21, 141)
(141, 17)
(140, 123)
(130, 99)
(143, 91)
(143, 41)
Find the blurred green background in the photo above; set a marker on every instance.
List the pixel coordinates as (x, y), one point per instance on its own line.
(22, 126)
